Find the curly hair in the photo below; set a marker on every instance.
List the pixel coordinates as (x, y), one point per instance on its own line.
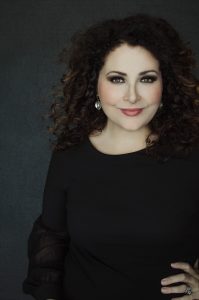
(73, 112)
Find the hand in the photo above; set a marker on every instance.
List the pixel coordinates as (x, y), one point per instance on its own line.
(190, 278)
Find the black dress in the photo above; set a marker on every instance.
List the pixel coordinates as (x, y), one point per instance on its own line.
(112, 224)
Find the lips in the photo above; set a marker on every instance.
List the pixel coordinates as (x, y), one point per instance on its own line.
(131, 112)
(131, 109)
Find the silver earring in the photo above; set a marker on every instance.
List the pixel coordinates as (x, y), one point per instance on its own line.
(161, 105)
(98, 104)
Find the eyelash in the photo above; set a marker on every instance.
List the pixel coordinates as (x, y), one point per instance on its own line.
(153, 78)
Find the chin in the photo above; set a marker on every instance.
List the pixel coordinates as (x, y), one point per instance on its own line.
(131, 128)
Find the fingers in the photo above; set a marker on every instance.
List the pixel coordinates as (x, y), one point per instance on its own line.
(187, 268)
(174, 289)
(190, 277)
(196, 264)
(182, 277)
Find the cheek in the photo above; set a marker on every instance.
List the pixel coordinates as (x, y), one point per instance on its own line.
(107, 93)
(155, 94)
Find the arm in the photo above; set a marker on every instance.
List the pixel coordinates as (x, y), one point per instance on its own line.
(48, 241)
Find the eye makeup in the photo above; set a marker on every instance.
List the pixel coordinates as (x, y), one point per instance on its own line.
(149, 78)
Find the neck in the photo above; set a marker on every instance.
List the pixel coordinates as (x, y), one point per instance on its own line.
(121, 138)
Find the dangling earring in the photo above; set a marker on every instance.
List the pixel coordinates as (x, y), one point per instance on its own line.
(161, 105)
(98, 104)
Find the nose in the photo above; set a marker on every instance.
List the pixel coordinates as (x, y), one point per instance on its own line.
(131, 93)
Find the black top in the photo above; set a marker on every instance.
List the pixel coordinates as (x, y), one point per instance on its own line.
(111, 225)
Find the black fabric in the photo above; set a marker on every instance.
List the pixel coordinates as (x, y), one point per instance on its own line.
(112, 224)
(46, 252)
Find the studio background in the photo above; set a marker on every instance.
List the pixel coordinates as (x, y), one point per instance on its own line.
(32, 33)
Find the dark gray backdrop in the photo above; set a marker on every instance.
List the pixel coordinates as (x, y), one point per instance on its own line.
(32, 34)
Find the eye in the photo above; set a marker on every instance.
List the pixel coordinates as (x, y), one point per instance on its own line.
(149, 79)
(113, 79)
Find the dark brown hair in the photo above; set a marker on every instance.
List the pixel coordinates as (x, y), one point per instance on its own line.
(73, 112)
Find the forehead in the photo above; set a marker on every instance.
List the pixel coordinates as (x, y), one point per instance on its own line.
(130, 57)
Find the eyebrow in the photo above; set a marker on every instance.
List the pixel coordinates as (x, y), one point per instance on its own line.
(141, 73)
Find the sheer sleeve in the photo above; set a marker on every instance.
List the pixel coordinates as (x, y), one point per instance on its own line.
(48, 241)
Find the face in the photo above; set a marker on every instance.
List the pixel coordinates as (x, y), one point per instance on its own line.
(130, 89)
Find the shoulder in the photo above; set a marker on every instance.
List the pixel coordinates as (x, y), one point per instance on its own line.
(194, 154)
(192, 158)
(66, 156)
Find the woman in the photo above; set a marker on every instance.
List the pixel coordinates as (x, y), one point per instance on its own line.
(120, 200)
